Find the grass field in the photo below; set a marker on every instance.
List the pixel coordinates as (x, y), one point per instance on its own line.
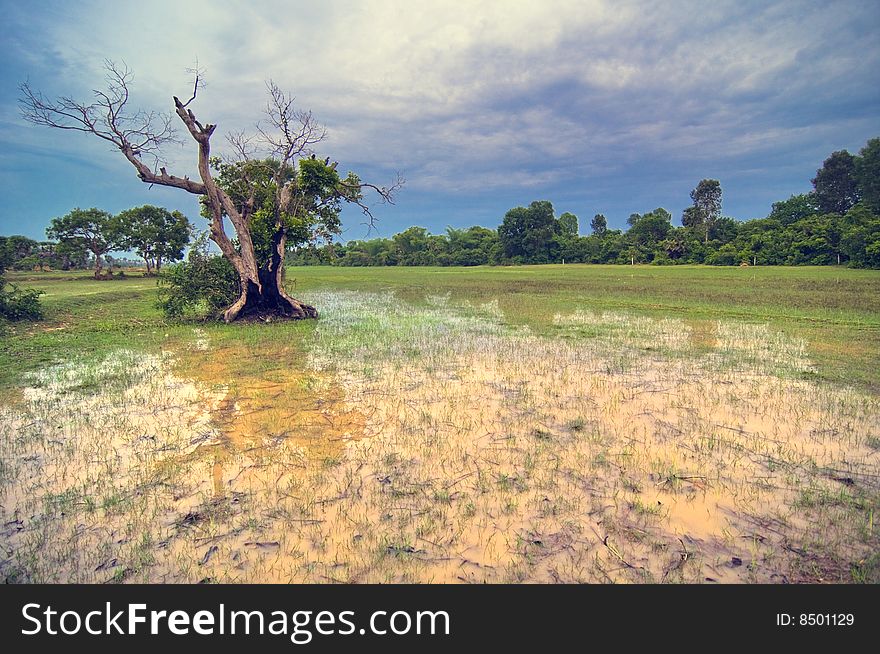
(539, 423)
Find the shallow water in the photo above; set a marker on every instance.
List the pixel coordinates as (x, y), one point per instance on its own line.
(434, 443)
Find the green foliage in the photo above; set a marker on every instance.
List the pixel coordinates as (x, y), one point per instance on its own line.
(23, 253)
(868, 174)
(469, 247)
(860, 237)
(202, 286)
(568, 225)
(156, 234)
(20, 304)
(726, 255)
(648, 230)
(707, 205)
(311, 212)
(797, 232)
(88, 229)
(795, 208)
(815, 239)
(835, 183)
(527, 233)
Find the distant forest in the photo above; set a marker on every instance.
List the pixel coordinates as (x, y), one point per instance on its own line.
(838, 222)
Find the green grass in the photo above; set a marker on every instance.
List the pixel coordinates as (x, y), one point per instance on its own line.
(836, 310)
(88, 319)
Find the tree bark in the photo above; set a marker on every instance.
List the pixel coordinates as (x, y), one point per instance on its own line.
(99, 265)
(268, 299)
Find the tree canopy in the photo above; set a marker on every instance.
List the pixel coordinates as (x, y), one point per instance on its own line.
(90, 229)
(526, 233)
(707, 205)
(835, 184)
(156, 234)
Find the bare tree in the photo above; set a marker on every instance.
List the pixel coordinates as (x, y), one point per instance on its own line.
(284, 140)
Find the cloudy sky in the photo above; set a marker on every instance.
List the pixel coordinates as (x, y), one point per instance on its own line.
(611, 107)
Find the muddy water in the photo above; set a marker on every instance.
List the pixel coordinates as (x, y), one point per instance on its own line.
(435, 447)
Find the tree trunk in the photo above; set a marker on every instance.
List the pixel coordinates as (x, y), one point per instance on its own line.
(99, 266)
(265, 298)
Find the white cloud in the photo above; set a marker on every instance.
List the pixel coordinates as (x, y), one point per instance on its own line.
(475, 96)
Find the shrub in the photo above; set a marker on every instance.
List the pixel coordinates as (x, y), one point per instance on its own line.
(726, 255)
(202, 286)
(20, 304)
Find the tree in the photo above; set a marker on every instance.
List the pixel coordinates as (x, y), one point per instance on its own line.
(860, 240)
(413, 247)
(599, 225)
(71, 255)
(90, 229)
(835, 183)
(270, 189)
(470, 247)
(19, 252)
(156, 234)
(795, 208)
(526, 233)
(868, 174)
(707, 205)
(675, 245)
(691, 218)
(568, 225)
(647, 232)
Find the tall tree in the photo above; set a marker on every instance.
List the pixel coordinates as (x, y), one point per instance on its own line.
(599, 224)
(526, 233)
(868, 174)
(568, 225)
(90, 229)
(835, 182)
(298, 196)
(707, 204)
(156, 234)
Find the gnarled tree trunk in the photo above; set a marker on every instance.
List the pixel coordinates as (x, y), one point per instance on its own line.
(265, 297)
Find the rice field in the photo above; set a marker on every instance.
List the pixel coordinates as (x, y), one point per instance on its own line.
(439, 430)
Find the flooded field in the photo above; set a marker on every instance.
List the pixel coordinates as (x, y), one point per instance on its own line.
(440, 441)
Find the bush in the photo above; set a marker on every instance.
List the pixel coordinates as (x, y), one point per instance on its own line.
(202, 286)
(726, 255)
(18, 304)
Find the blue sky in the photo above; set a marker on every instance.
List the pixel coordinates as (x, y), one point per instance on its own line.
(611, 107)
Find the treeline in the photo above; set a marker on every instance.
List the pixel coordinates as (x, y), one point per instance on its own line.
(23, 253)
(836, 223)
(84, 238)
